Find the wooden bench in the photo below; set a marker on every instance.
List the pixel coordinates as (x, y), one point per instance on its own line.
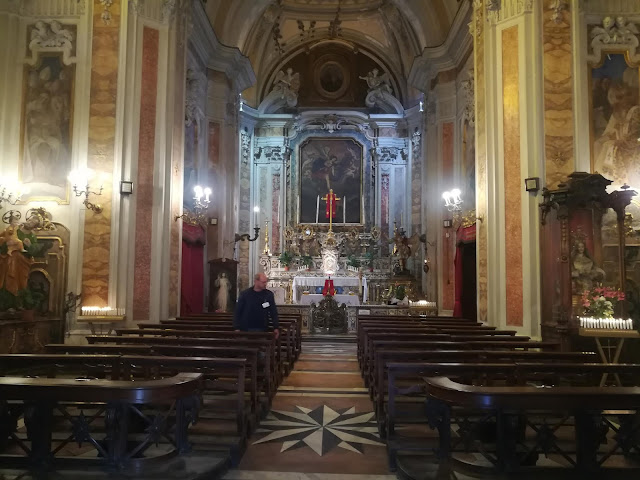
(264, 348)
(174, 401)
(513, 410)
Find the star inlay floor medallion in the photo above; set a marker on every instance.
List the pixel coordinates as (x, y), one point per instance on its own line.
(322, 429)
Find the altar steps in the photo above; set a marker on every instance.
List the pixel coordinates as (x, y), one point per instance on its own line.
(347, 338)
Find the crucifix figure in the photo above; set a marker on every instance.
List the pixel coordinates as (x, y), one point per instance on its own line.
(331, 200)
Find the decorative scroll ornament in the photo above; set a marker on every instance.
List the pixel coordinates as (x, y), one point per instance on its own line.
(614, 36)
(245, 146)
(168, 9)
(416, 143)
(332, 123)
(51, 37)
(558, 6)
(469, 113)
(106, 12)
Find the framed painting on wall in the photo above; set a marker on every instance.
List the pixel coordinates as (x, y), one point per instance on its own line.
(615, 119)
(330, 164)
(47, 124)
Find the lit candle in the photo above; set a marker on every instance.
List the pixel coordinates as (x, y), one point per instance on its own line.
(256, 209)
(207, 192)
(344, 209)
(317, 207)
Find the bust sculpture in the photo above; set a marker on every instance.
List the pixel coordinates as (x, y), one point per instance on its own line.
(583, 270)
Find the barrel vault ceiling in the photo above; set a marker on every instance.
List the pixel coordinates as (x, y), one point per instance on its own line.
(271, 32)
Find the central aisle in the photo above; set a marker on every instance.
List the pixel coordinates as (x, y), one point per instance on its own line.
(321, 422)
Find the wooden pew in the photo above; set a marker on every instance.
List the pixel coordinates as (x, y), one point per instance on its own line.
(173, 399)
(515, 408)
(285, 344)
(379, 384)
(265, 349)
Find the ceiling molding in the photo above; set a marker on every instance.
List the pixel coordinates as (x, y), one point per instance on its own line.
(451, 54)
(215, 55)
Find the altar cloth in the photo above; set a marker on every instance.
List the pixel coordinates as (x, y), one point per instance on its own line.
(302, 281)
(350, 300)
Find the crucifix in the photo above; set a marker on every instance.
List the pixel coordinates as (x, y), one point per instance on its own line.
(331, 200)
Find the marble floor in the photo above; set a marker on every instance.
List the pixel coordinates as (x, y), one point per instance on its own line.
(321, 425)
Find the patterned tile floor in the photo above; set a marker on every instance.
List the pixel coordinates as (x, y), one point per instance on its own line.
(321, 426)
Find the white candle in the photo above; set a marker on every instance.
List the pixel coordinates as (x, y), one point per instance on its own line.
(344, 209)
(317, 207)
(298, 219)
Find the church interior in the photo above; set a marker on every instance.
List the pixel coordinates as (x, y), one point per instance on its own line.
(443, 197)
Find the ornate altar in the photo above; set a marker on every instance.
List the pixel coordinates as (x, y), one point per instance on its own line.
(582, 246)
(328, 317)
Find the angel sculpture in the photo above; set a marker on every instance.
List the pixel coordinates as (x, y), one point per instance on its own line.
(287, 84)
(403, 248)
(377, 83)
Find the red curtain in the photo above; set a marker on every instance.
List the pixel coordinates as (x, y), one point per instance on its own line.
(463, 235)
(192, 274)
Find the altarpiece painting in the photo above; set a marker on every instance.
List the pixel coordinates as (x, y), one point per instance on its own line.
(330, 164)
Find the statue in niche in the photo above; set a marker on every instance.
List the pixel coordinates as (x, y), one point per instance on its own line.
(584, 272)
(223, 296)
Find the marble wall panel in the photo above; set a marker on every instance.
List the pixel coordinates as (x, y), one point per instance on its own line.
(512, 175)
(275, 213)
(558, 93)
(102, 129)
(146, 155)
(482, 251)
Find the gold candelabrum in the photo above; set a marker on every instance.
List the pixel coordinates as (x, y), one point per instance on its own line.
(11, 193)
(266, 250)
(201, 201)
(82, 177)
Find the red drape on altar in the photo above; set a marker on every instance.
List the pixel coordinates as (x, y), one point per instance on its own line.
(192, 274)
(331, 201)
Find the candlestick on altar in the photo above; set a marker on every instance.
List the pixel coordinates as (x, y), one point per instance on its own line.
(344, 210)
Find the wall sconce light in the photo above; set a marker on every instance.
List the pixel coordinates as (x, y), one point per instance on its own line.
(200, 204)
(80, 179)
(126, 187)
(452, 200)
(256, 229)
(11, 190)
(532, 184)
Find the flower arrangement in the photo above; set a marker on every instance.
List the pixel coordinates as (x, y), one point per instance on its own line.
(600, 302)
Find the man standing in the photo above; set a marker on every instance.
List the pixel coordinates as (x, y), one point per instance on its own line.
(255, 306)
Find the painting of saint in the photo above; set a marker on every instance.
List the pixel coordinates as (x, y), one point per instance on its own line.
(330, 164)
(615, 120)
(47, 122)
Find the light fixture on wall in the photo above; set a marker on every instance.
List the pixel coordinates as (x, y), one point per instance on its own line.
(80, 179)
(256, 229)
(10, 191)
(126, 187)
(201, 202)
(532, 184)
